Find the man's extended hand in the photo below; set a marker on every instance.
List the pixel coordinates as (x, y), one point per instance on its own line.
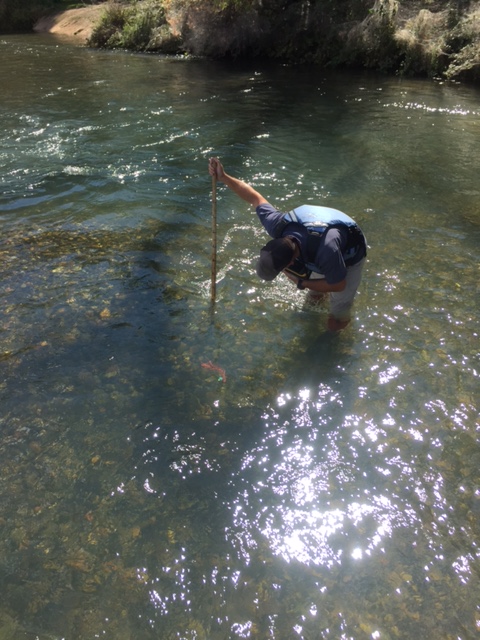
(290, 276)
(240, 188)
(215, 168)
(317, 285)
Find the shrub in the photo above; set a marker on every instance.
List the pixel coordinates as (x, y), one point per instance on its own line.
(371, 43)
(422, 43)
(464, 41)
(129, 26)
(107, 33)
(137, 31)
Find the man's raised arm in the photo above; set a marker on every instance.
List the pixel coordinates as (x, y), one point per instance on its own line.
(240, 188)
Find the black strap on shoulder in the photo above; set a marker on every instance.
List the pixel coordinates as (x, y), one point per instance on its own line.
(356, 239)
(281, 226)
(313, 241)
(355, 242)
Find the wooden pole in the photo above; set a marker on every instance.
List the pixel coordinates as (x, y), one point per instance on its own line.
(214, 239)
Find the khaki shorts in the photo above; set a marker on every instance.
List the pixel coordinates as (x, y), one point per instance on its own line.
(341, 301)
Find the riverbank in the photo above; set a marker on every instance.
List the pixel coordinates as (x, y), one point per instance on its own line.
(402, 37)
(75, 23)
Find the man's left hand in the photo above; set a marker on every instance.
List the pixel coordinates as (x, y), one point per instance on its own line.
(290, 276)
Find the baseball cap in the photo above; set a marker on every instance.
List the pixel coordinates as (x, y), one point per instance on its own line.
(274, 257)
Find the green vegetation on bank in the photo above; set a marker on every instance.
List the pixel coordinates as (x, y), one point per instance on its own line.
(415, 37)
(136, 26)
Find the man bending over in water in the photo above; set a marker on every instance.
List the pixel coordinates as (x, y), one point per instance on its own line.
(320, 249)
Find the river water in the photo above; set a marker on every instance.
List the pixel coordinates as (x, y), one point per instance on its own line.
(329, 487)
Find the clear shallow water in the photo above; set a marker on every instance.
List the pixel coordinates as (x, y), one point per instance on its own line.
(330, 487)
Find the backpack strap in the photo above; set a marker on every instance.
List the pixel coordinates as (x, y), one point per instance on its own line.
(281, 226)
(355, 242)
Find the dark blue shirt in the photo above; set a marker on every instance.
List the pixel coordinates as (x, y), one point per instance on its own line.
(328, 259)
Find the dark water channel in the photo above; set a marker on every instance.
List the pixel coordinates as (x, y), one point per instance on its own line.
(330, 487)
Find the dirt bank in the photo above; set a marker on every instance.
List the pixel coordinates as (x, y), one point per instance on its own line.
(78, 23)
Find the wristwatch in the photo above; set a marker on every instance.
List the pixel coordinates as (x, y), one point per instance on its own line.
(300, 284)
